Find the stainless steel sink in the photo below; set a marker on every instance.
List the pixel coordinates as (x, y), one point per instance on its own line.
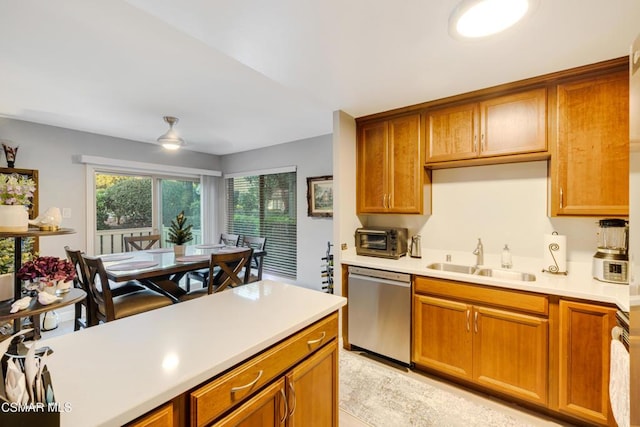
(453, 268)
(487, 272)
(506, 274)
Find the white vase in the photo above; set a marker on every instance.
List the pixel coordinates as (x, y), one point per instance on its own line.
(14, 218)
(63, 287)
(50, 289)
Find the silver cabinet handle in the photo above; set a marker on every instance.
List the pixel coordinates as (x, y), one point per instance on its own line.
(475, 142)
(475, 322)
(561, 198)
(312, 342)
(286, 406)
(251, 384)
(468, 315)
(482, 142)
(293, 394)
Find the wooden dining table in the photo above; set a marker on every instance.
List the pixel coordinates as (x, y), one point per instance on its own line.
(160, 269)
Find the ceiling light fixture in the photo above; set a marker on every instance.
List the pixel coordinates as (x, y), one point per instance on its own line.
(171, 140)
(481, 18)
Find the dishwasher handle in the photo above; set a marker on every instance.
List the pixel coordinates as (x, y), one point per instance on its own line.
(379, 280)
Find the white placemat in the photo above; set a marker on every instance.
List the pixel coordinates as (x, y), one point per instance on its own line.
(115, 257)
(134, 265)
(193, 258)
(159, 250)
(210, 246)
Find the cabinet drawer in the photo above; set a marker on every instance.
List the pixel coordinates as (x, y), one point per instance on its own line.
(211, 400)
(523, 301)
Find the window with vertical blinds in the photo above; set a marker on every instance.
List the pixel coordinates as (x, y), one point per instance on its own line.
(265, 206)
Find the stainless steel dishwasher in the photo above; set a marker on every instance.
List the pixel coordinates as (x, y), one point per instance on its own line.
(380, 312)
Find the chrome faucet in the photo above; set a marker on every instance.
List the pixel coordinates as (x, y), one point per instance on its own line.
(479, 253)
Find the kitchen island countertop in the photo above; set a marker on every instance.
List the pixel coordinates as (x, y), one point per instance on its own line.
(112, 373)
(578, 283)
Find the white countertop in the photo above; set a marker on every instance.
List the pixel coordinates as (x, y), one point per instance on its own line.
(578, 283)
(115, 372)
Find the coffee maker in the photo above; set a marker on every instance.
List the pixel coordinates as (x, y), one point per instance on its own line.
(611, 260)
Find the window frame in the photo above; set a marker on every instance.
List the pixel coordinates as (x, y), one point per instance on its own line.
(208, 213)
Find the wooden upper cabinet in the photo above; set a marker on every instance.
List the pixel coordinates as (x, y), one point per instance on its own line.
(514, 124)
(501, 126)
(390, 166)
(590, 171)
(452, 133)
(372, 167)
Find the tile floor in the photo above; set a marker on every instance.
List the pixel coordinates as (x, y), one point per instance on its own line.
(348, 420)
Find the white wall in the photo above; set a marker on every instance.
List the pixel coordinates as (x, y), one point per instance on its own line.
(344, 194)
(51, 150)
(502, 204)
(312, 157)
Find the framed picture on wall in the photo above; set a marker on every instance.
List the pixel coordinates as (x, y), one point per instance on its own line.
(320, 196)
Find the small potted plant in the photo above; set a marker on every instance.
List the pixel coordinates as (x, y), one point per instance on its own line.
(55, 275)
(180, 233)
(16, 192)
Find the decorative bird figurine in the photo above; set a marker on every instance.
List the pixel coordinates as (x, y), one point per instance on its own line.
(20, 304)
(46, 298)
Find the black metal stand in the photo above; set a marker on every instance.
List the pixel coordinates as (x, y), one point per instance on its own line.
(327, 270)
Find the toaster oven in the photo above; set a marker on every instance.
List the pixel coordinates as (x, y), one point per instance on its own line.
(383, 242)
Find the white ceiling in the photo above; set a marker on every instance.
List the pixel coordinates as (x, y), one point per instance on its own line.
(243, 74)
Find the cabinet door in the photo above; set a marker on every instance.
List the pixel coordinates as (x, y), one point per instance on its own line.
(591, 176)
(514, 124)
(510, 353)
(371, 170)
(268, 408)
(585, 339)
(442, 335)
(160, 417)
(312, 389)
(406, 165)
(452, 133)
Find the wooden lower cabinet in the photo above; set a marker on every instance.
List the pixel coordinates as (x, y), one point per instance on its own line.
(267, 409)
(312, 389)
(305, 396)
(499, 349)
(441, 338)
(159, 417)
(585, 340)
(510, 353)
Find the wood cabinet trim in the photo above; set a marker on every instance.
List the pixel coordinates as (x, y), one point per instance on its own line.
(491, 296)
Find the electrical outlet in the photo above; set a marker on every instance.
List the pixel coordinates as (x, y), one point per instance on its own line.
(66, 212)
(343, 246)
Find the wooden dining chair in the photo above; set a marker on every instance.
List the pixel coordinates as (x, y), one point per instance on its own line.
(229, 239)
(255, 266)
(82, 281)
(110, 307)
(202, 276)
(227, 269)
(141, 243)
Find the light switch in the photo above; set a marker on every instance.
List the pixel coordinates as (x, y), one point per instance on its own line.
(66, 212)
